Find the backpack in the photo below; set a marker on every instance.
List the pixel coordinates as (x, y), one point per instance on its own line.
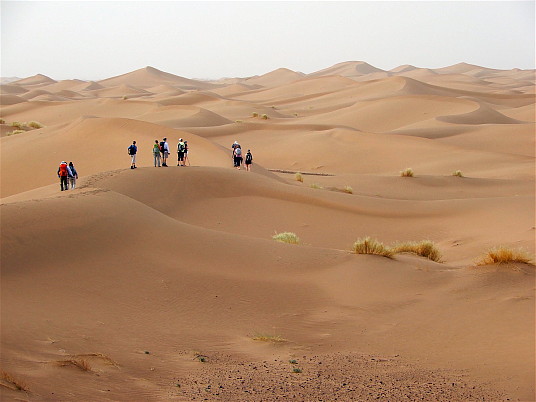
(131, 150)
(249, 157)
(238, 152)
(162, 146)
(63, 170)
(180, 147)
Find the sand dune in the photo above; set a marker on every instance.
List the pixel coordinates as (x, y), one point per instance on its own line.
(161, 278)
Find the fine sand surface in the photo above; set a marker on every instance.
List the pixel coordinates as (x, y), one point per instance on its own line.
(165, 283)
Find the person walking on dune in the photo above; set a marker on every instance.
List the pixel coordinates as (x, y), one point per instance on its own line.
(73, 176)
(180, 152)
(237, 157)
(164, 148)
(156, 153)
(63, 174)
(248, 161)
(132, 151)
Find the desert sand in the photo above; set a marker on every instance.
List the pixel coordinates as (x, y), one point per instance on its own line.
(165, 283)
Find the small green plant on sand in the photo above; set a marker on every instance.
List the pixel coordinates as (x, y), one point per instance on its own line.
(35, 124)
(298, 176)
(408, 172)
(17, 124)
(125, 97)
(504, 255)
(296, 370)
(316, 185)
(286, 237)
(264, 117)
(268, 338)
(371, 246)
(255, 114)
(293, 361)
(457, 173)
(15, 132)
(424, 248)
(348, 189)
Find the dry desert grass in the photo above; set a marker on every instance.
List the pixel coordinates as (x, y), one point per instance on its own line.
(82, 364)
(457, 173)
(368, 245)
(298, 177)
(268, 338)
(424, 248)
(505, 255)
(408, 172)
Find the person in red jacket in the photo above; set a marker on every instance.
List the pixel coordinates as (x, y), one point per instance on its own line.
(63, 174)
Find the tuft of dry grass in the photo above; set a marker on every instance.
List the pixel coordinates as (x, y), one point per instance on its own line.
(424, 248)
(457, 173)
(15, 132)
(316, 185)
(17, 124)
(125, 97)
(101, 356)
(298, 176)
(295, 114)
(504, 255)
(371, 246)
(348, 189)
(35, 124)
(408, 172)
(82, 364)
(264, 117)
(12, 381)
(255, 114)
(2, 121)
(238, 121)
(268, 338)
(286, 237)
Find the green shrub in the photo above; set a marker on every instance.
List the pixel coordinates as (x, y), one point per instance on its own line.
(287, 237)
(264, 117)
(371, 246)
(408, 172)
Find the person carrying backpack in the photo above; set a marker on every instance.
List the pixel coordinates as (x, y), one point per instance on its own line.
(132, 151)
(181, 148)
(63, 174)
(156, 153)
(186, 159)
(73, 176)
(164, 149)
(237, 157)
(248, 161)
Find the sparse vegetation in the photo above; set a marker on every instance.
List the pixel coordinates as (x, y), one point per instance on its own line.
(348, 189)
(264, 117)
(15, 132)
(298, 176)
(424, 248)
(268, 338)
(2, 121)
(12, 381)
(202, 358)
(293, 361)
(273, 107)
(82, 364)
(239, 121)
(125, 97)
(255, 114)
(35, 124)
(504, 255)
(408, 172)
(17, 124)
(286, 237)
(295, 114)
(101, 356)
(296, 370)
(316, 185)
(371, 246)
(457, 173)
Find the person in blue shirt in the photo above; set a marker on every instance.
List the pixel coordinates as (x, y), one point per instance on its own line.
(132, 151)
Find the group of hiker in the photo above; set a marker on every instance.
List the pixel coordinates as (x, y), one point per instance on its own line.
(67, 175)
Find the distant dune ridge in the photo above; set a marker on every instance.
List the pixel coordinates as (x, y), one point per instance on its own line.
(168, 279)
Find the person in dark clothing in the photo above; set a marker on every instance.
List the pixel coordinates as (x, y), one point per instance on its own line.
(248, 161)
(63, 174)
(132, 151)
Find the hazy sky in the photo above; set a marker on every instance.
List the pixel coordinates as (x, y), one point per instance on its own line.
(100, 39)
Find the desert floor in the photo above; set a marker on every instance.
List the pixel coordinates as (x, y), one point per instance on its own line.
(166, 284)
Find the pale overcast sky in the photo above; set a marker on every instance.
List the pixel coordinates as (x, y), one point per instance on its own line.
(93, 40)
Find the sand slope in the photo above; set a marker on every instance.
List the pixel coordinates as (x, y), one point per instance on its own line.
(153, 283)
